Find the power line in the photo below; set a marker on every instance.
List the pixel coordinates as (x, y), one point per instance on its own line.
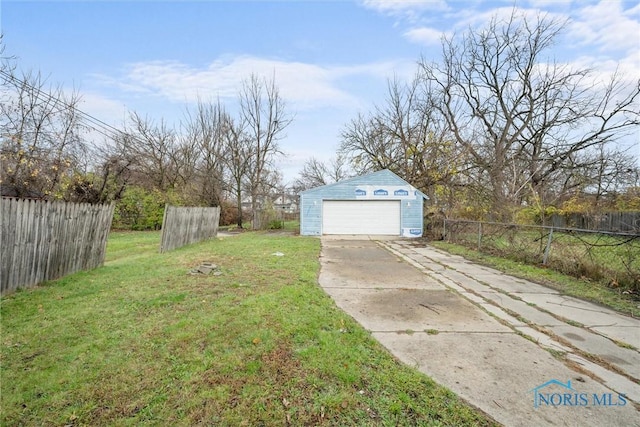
(96, 124)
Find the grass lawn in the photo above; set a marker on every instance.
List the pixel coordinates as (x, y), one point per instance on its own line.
(141, 342)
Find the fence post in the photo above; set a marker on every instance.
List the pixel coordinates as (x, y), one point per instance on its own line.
(164, 234)
(479, 235)
(444, 229)
(545, 257)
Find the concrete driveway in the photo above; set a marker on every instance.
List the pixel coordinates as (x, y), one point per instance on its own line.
(518, 351)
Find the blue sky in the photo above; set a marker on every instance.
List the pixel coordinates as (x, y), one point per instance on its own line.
(331, 59)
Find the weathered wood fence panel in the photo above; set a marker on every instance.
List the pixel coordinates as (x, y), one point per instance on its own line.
(42, 240)
(184, 225)
(621, 222)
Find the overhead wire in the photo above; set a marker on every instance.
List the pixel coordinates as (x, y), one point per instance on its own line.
(95, 123)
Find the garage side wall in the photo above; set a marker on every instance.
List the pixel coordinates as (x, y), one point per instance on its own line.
(311, 214)
(411, 211)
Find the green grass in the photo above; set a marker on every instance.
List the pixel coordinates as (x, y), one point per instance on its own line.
(568, 285)
(141, 342)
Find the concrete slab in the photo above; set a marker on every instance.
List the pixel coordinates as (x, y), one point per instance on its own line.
(542, 339)
(356, 254)
(471, 296)
(482, 369)
(586, 313)
(511, 285)
(357, 237)
(337, 243)
(615, 382)
(466, 281)
(369, 266)
(623, 329)
(415, 259)
(448, 282)
(413, 310)
(473, 353)
(500, 314)
(624, 334)
(529, 313)
(601, 319)
(439, 256)
(623, 358)
(428, 264)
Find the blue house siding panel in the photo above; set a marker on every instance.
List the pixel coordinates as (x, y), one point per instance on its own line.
(311, 215)
(411, 204)
(412, 217)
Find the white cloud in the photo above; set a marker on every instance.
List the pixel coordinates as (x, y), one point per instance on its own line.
(411, 10)
(608, 37)
(106, 109)
(608, 26)
(545, 4)
(477, 19)
(424, 35)
(405, 6)
(306, 85)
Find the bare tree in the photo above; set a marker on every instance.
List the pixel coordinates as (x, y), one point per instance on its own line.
(604, 172)
(42, 144)
(237, 158)
(406, 135)
(155, 147)
(263, 117)
(524, 120)
(203, 151)
(364, 143)
(114, 175)
(315, 173)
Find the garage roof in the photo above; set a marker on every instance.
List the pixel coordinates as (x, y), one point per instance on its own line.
(374, 176)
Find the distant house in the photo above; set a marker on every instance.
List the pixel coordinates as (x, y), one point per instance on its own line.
(280, 203)
(286, 203)
(380, 203)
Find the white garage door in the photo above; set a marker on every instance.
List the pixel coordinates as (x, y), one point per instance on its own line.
(361, 217)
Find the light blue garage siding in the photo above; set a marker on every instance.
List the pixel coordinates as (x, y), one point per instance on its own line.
(364, 188)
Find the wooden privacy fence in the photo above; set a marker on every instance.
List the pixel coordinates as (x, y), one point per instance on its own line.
(621, 222)
(42, 240)
(182, 226)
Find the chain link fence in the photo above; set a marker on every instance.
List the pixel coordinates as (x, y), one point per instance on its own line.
(606, 257)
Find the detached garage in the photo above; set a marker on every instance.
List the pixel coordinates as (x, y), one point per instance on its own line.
(380, 203)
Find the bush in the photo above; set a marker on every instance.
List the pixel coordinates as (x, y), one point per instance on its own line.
(141, 209)
(276, 224)
(229, 214)
(535, 215)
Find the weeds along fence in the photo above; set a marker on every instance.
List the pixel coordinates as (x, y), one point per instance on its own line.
(607, 257)
(184, 225)
(42, 240)
(275, 219)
